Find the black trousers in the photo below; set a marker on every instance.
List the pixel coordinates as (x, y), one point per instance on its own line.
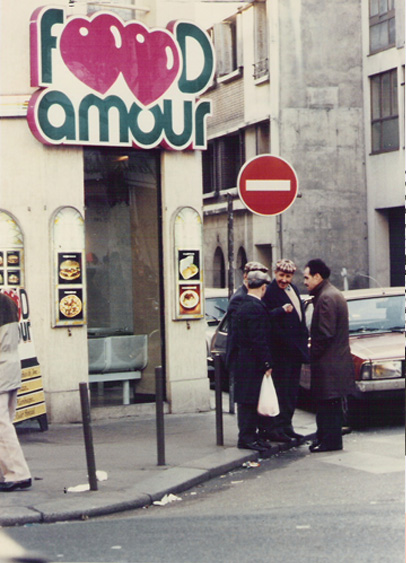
(249, 423)
(286, 377)
(329, 420)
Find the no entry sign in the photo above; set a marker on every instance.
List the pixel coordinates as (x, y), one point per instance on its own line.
(267, 185)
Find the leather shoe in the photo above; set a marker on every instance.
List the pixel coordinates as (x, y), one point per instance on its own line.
(258, 447)
(280, 436)
(317, 447)
(290, 432)
(10, 486)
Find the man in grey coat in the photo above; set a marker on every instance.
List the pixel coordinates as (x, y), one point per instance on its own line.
(13, 466)
(332, 370)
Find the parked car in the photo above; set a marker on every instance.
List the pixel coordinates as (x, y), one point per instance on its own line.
(377, 341)
(216, 304)
(377, 327)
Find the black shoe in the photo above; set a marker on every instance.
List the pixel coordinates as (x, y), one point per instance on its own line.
(318, 447)
(257, 446)
(290, 432)
(10, 486)
(279, 436)
(346, 430)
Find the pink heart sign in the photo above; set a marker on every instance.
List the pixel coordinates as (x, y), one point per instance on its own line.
(96, 51)
(91, 50)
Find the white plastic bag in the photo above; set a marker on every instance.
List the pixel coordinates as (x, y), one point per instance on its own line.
(268, 404)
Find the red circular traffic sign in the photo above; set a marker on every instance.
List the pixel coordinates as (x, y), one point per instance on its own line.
(267, 185)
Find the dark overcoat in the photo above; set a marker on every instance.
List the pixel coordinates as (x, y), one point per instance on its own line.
(289, 333)
(253, 352)
(233, 306)
(332, 369)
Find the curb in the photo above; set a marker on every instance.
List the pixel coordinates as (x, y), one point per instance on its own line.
(173, 480)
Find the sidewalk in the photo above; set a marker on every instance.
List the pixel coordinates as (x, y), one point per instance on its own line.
(126, 450)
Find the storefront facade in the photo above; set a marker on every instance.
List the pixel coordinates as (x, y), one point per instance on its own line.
(101, 178)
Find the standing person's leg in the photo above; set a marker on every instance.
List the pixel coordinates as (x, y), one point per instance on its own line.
(291, 395)
(13, 465)
(247, 418)
(329, 425)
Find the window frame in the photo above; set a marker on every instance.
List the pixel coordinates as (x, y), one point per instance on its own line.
(379, 19)
(383, 119)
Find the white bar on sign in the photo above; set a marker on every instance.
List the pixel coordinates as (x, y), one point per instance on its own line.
(267, 185)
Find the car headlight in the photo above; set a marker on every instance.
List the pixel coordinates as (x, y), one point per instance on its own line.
(390, 369)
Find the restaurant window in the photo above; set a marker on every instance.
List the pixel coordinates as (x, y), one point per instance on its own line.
(384, 112)
(123, 261)
(382, 26)
(222, 162)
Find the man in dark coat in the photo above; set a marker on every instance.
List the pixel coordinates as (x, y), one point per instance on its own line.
(233, 307)
(254, 360)
(289, 347)
(332, 369)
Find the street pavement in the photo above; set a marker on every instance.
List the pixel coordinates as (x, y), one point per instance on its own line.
(126, 460)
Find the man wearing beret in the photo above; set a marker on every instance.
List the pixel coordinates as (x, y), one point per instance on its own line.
(289, 347)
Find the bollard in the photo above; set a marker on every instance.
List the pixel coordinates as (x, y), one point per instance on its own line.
(219, 400)
(159, 407)
(87, 432)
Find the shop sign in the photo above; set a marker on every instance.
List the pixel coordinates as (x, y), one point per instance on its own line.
(68, 243)
(103, 81)
(189, 273)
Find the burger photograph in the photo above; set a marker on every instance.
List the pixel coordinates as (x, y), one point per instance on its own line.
(69, 268)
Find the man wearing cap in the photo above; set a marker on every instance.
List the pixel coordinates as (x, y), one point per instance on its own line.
(233, 307)
(253, 360)
(289, 347)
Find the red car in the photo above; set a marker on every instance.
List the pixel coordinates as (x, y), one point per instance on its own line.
(377, 340)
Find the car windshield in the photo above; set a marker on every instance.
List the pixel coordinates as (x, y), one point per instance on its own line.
(377, 314)
(216, 308)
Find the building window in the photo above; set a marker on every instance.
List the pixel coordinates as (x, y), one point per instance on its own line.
(384, 112)
(261, 64)
(262, 138)
(219, 269)
(382, 28)
(228, 46)
(222, 162)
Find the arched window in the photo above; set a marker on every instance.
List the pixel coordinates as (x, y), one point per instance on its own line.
(219, 269)
(241, 261)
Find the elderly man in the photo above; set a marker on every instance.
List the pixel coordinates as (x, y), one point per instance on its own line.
(289, 347)
(13, 467)
(233, 307)
(330, 357)
(254, 360)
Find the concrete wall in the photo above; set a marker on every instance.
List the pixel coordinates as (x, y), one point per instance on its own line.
(320, 132)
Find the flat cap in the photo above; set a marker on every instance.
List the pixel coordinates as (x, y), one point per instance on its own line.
(254, 267)
(257, 278)
(285, 265)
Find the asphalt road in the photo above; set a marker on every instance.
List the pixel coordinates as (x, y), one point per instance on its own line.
(332, 507)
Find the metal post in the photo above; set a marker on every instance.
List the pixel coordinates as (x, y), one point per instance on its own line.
(87, 432)
(230, 233)
(159, 404)
(219, 402)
